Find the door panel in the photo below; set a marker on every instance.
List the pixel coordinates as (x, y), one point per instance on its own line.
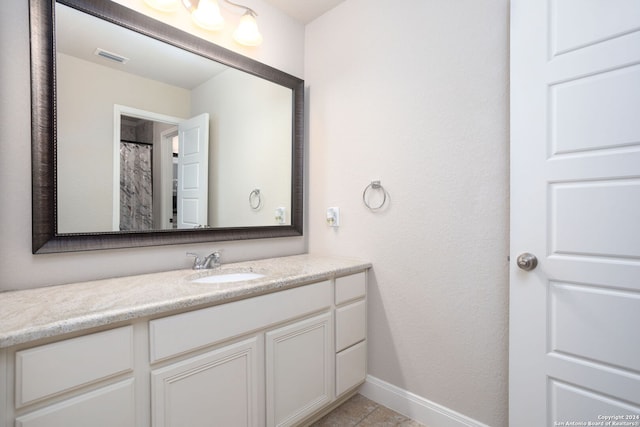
(576, 308)
(193, 172)
(566, 400)
(599, 20)
(596, 112)
(575, 204)
(595, 218)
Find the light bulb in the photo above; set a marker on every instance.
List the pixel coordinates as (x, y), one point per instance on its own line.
(163, 5)
(207, 15)
(247, 32)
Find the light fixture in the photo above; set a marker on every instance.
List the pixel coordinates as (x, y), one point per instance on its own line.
(163, 5)
(247, 32)
(206, 14)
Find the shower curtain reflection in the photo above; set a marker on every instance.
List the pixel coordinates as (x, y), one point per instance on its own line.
(136, 186)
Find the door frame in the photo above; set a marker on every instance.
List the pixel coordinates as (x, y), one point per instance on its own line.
(118, 111)
(166, 181)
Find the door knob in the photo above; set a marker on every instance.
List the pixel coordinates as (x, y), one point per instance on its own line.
(527, 261)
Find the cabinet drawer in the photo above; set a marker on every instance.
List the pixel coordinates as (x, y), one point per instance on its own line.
(106, 407)
(351, 324)
(178, 334)
(351, 367)
(350, 287)
(53, 368)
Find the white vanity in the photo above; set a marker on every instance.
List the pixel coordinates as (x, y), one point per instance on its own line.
(161, 350)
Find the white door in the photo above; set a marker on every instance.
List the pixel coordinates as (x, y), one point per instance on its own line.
(575, 194)
(193, 172)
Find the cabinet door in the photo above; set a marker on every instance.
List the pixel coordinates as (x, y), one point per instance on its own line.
(219, 388)
(299, 370)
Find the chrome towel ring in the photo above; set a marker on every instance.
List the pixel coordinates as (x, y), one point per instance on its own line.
(375, 185)
(255, 199)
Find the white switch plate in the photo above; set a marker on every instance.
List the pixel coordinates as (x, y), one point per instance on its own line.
(281, 215)
(333, 217)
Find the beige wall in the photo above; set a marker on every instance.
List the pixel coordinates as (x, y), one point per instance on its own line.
(19, 269)
(250, 147)
(417, 97)
(85, 135)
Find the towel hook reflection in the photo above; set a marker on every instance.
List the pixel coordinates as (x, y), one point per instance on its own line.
(255, 199)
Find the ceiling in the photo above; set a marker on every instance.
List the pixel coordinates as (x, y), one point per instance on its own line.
(148, 57)
(304, 10)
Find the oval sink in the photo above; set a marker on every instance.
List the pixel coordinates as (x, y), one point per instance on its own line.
(228, 277)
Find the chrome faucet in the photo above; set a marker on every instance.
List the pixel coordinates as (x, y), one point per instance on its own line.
(210, 261)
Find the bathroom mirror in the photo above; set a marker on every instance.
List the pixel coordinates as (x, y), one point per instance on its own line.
(103, 132)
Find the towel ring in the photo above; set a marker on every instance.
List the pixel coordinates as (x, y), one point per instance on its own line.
(255, 199)
(375, 185)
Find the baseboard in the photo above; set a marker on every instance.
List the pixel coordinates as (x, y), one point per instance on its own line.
(413, 406)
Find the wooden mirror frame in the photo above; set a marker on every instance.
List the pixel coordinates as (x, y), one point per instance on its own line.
(45, 238)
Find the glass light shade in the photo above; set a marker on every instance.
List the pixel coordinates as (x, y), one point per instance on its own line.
(207, 15)
(163, 5)
(247, 32)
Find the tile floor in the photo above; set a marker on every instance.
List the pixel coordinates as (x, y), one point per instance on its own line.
(362, 412)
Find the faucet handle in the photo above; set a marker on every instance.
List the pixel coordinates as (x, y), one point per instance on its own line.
(196, 259)
(215, 256)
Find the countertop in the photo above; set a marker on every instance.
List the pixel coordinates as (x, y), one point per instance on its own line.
(33, 314)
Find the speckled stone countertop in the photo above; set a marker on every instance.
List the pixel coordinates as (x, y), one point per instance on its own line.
(33, 314)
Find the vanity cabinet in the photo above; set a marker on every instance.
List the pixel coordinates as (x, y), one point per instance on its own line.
(92, 372)
(287, 334)
(276, 359)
